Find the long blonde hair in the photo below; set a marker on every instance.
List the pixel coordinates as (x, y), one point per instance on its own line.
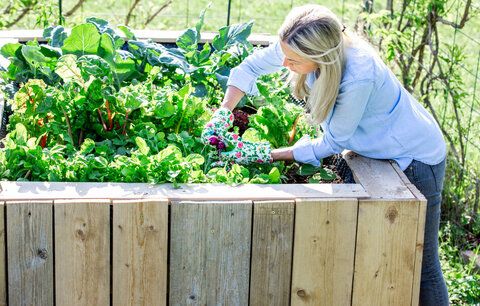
(315, 33)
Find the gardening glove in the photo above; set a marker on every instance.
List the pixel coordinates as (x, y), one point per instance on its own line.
(215, 130)
(245, 152)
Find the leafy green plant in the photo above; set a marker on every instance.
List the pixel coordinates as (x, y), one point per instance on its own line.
(94, 106)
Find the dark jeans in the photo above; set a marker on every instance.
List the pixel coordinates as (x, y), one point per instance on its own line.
(429, 181)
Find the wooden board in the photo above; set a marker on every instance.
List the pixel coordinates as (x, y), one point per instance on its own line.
(210, 253)
(420, 232)
(30, 253)
(323, 253)
(140, 238)
(378, 177)
(200, 192)
(272, 243)
(386, 251)
(160, 36)
(82, 252)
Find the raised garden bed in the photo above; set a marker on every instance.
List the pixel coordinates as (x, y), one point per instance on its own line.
(260, 244)
(318, 244)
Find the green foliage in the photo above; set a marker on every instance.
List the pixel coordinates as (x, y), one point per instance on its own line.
(90, 107)
(462, 280)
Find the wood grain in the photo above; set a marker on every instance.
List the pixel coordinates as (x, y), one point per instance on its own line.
(323, 253)
(140, 240)
(272, 244)
(82, 252)
(210, 253)
(386, 252)
(30, 253)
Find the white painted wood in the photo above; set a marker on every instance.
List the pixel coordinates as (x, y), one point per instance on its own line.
(160, 36)
(58, 190)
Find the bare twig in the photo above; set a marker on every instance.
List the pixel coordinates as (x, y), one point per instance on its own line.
(23, 13)
(8, 8)
(74, 8)
(151, 17)
(130, 11)
(464, 19)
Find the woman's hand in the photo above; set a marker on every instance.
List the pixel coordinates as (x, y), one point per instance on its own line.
(217, 127)
(245, 152)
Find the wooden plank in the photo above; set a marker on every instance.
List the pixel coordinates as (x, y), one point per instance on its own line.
(82, 252)
(378, 177)
(420, 233)
(210, 253)
(417, 272)
(140, 238)
(3, 258)
(160, 36)
(272, 244)
(191, 192)
(323, 253)
(385, 252)
(30, 253)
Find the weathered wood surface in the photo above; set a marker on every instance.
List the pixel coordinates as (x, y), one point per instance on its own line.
(140, 239)
(324, 248)
(420, 232)
(30, 253)
(82, 252)
(3, 257)
(210, 253)
(215, 192)
(385, 252)
(378, 177)
(160, 36)
(272, 243)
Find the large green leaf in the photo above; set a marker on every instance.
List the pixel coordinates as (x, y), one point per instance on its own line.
(10, 49)
(107, 47)
(188, 40)
(127, 32)
(84, 39)
(33, 55)
(55, 35)
(229, 35)
(68, 70)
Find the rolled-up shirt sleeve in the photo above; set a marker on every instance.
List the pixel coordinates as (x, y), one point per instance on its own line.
(339, 127)
(260, 62)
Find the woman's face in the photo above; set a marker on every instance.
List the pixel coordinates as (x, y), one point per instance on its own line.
(295, 62)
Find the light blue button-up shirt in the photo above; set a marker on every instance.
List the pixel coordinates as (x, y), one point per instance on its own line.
(373, 115)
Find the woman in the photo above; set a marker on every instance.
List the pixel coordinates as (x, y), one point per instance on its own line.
(360, 105)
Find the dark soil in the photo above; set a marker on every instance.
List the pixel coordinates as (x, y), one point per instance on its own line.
(336, 163)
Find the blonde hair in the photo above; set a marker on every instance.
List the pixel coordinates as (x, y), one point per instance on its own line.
(315, 33)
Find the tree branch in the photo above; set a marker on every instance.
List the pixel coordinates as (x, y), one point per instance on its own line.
(74, 8)
(151, 17)
(129, 14)
(464, 19)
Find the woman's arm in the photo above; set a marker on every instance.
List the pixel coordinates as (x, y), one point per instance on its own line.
(233, 95)
(339, 127)
(282, 154)
(260, 62)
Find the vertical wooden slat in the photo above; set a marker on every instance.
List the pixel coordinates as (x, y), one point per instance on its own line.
(385, 254)
(140, 237)
(210, 253)
(323, 251)
(30, 253)
(272, 242)
(82, 252)
(3, 258)
(419, 252)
